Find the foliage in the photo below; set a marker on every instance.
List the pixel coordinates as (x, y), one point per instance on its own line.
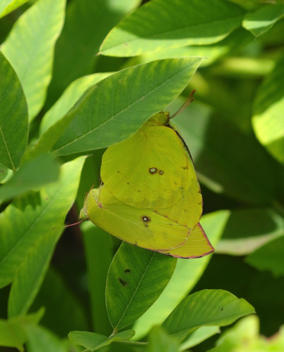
(80, 76)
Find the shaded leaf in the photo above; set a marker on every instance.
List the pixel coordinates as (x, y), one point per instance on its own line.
(87, 23)
(224, 163)
(171, 24)
(99, 253)
(40, 339)
(206, 308)
(249, 229)
(13, 331)
(31, 217)
(69, 98)
(34, 174)
(160, 341)
(13, 116)
(113, 110)
(132, 273)
(198, 336)
(185, 276)
(30, 274)
(268, 122)
(29, 48)
(92, 341)
(261, 20)
(269, 257)
(57, 298)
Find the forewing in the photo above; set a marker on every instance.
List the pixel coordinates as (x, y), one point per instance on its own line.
(148, 170)
(187, 211)
(197, 245)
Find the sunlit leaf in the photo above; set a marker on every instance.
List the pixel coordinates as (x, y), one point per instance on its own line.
(29, 48)
(113, 110)
(268, 119)
(206, 308)
(69, 98)
(87, 23)
(33, 216)
(171, 24)
(263, 19)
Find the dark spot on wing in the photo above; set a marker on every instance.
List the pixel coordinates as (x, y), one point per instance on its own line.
(153, 170)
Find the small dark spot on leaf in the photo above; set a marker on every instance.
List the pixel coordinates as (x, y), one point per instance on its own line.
(127, 271)
(118, 172)
(123, 282)
(221, 309)
(161, 172)
(128, 183)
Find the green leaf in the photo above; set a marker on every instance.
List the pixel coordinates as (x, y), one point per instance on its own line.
(116, 107)
(98, 251)
(198, 336)
(249, 229)
(69, 98)
(185, 276)
(269, 257)
(57, 298)
(31, 273)
(92, 341)
(13, 116)
(160, 341)
(87, 23)
(261, 20)
(40, 339)
(136, 278)
(268, 122)
(206, 308)
(172, 24)
(34, 174)
(13, 331)
(4, 172)
(242, 336)
(238, 38)
(29, 48)
(31, 217)
(8, 6)
(224, 164)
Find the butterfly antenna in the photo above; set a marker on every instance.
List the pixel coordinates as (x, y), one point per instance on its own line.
(76, 223)
(185, 105)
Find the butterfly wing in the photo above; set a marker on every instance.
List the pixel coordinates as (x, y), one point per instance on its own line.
(148, 170)
(188, 209)
(197, 245)
(142, 227)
